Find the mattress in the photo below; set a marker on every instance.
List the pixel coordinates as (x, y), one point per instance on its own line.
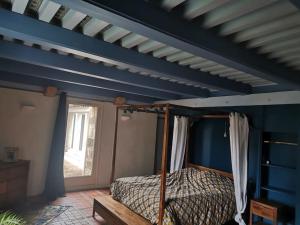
(193, 197)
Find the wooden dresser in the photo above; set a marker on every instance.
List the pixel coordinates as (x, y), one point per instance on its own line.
(13, 183)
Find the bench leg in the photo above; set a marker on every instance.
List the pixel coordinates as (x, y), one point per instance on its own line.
(94, 204)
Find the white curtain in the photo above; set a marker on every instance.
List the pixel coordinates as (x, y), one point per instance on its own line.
(239, 135)
(179, 143)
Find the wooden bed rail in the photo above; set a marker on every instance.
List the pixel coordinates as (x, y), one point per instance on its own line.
(203, 168)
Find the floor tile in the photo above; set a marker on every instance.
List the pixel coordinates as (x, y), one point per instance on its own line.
(80, 212)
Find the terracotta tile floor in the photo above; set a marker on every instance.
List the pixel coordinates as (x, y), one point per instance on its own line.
(81, 210)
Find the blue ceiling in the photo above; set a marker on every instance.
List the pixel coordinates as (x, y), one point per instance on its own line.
(150, 50)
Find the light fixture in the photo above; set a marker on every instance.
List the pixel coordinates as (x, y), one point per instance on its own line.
(225, 130)
(27, 107)
(126, 115)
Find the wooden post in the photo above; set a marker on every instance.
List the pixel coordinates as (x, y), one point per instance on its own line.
(298, 172)
(164, 167)
(112, 176)
(187, 153)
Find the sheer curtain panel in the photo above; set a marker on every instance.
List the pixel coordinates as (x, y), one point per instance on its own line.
(239, 135)
(179, 142)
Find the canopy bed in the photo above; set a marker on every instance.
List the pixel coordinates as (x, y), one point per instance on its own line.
(194, 195)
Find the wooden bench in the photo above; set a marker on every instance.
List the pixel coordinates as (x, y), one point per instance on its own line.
(115, 213)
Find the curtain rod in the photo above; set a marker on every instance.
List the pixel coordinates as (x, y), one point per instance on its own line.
(222, 116)
(162, 107)
(161, 112)
(156, 108)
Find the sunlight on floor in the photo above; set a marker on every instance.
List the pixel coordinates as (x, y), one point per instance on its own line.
(71, 170)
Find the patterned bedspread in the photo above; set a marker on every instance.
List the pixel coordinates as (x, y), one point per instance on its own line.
(193, 197)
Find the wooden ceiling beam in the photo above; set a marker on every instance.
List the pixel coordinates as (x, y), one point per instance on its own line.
(28, 29)
(87, 70)
(145, 19)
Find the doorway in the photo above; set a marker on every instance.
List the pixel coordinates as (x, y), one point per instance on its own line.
(81, 146)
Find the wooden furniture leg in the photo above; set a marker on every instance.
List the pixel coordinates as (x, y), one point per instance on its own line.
(112, 176)
(251, 216)
(94, 209)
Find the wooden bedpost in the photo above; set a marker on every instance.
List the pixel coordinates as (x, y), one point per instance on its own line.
(112, 176)
(187, 149)
(164, 167)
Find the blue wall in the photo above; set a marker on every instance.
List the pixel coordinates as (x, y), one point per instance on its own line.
(210, 148)
(208, 135)
(298, 190)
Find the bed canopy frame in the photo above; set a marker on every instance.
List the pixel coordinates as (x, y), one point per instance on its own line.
(166, 110)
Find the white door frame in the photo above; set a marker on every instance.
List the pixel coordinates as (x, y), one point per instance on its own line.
(87, 182)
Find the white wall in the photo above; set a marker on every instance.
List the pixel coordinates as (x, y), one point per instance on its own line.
(135, 147)
(106, 144)
(32, 133)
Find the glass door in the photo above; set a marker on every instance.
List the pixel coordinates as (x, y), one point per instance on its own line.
(81, 146)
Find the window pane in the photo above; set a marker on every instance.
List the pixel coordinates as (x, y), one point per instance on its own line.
(80, 140)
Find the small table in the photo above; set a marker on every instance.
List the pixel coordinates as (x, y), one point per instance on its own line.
(265, 210)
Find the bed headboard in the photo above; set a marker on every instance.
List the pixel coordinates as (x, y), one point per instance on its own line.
(222, 173)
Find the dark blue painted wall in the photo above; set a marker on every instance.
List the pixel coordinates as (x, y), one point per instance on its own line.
(210, 148)
(298, 189)
(209, 135)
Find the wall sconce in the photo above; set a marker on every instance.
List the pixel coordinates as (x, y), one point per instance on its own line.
(27, 108)
(126, 115)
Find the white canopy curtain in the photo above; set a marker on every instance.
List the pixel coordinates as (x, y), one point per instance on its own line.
(239, 135)
(179, 142)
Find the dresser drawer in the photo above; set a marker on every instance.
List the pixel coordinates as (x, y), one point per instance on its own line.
(3, 187)
(3, 201)
(14, 198)
(16, 172)
(262, 210)
(3, 174)
(18, 185)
